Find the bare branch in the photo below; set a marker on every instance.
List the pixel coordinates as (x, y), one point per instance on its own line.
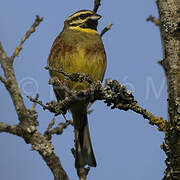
(153, 20)
(3, 80)
(40, 144)
(97, 3)
(9, 129)
(11, 83)
(35, 103)
(107, 28)
(28, 117)
(27, 35)
(59, 129)
(51, 124)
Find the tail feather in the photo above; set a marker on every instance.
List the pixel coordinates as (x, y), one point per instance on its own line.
(84, 150)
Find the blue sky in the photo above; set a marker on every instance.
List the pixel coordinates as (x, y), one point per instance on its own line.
(125, 145)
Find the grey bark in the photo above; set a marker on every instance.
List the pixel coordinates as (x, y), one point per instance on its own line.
(169, 16)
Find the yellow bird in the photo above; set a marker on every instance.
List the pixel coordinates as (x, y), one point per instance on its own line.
(79, 48)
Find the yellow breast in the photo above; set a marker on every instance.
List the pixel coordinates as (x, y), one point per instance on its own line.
(78, 57)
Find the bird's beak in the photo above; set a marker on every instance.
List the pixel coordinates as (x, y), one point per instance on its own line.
(95, 17)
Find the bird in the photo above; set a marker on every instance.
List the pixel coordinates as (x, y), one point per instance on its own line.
(79, 49)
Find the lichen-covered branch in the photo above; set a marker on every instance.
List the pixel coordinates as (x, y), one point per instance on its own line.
(113, 94)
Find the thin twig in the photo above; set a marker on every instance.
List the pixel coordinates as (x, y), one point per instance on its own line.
(4, 81)
(107, 28)
(153, 20)
(51, 124)
(57, 130)
(34, 100)
(74, 76)
(97, 3)
(57, 108)
(27, 35)
(61, 126)
(35, 103)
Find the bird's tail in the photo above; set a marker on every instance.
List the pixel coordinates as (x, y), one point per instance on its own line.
(84, 151)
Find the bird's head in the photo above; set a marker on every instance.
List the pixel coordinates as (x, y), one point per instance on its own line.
(83, 19)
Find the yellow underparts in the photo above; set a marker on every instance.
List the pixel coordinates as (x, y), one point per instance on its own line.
(79, 62)
(87, 30)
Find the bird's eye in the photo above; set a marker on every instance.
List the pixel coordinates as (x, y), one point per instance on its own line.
(83, 16)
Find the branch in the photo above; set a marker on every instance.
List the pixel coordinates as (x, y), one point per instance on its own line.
(57, 108)
(153, 120)
(34, 104)
(40, 144)
(54, 107)
(46, 150)
(97, 3)
(107, 28)
(74, 76)
(11, 83)
(36, 101)
(114, 95)
(27, 128)
(61, 126)
(57, 130)
(153, 20)
(3, 80)
(9, 129)
(2, 52)
(32, 29)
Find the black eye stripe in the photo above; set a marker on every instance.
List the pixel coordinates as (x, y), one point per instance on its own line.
(82, 16)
